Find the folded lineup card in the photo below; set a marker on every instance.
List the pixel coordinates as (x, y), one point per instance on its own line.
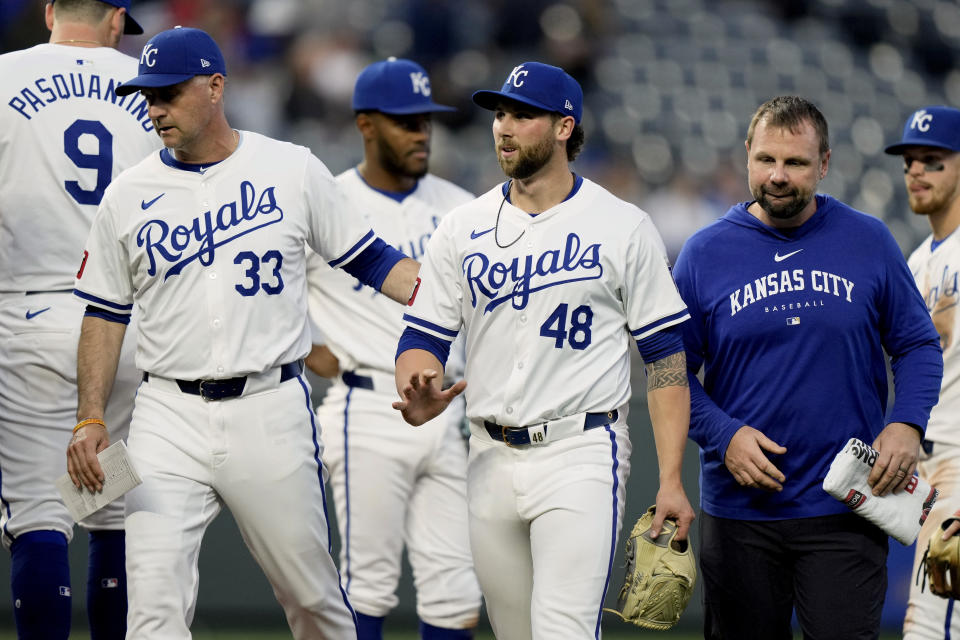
(119, 477)
(900, 515)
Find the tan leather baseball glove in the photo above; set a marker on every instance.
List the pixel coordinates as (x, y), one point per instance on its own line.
(943, 562)
(659, 578)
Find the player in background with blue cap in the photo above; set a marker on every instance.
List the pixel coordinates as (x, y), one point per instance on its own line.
(64, 135)
(551, 280)
(207, 237)
(393, 486)
(931, 172)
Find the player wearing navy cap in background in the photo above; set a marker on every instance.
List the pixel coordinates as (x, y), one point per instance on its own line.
(550, 279)
(795, 299)
(207, 238)
(387, 477)
(931, 173)
(64, 135)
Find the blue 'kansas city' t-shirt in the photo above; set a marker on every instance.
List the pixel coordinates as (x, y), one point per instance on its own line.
(791, 331)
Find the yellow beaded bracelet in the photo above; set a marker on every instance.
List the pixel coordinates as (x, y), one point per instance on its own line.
(84, 423)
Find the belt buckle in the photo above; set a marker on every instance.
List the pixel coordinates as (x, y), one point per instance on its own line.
(203, 394)
(503, 435)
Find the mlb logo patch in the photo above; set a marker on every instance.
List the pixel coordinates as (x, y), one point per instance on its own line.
(65, 591)
(793, 321)
(109, 583)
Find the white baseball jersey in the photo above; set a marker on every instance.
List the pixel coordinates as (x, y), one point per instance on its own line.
(360, 325)
(929, 616)
(220, 279)
(386, 475)
(66, 134)
(548, 302)
(936, 273)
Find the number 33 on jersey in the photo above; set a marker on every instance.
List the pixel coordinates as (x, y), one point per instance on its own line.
(208, 242)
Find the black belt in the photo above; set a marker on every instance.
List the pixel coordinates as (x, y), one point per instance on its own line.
(352, 379)
(36, 293)
(519, 435)
(229, 387)
(927, 446)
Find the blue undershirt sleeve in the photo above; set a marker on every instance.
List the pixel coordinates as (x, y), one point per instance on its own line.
(372, 265)
(661, 344)
(415, 339)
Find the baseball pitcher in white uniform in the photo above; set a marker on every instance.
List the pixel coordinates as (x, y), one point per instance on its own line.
(206, 238)
(386, 477)
(64, 135)
(931, 173)
(551, 279)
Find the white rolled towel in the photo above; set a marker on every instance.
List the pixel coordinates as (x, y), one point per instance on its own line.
(899, 514)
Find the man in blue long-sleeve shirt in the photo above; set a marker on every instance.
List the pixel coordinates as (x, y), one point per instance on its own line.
(794, 297)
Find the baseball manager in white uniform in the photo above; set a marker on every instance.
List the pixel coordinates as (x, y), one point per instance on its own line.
(207, 239)
(552, 280)
(392, 485)
(64, 135)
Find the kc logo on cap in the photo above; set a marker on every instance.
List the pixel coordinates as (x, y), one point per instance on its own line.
(538, 85)
(936, 126)
(395, 86)
(175, 55)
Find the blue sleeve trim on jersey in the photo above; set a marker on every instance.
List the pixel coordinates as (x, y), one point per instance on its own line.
(100, 302)
(372, 265)
(669, 320)
(429, 325)
(413, 338)
(355, 248)
(661, 344)
(104, 314)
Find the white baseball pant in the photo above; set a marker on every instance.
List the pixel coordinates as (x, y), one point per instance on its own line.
(544, 522)
(257, 454)
(929, 616)
(397, 485)
(38, 408)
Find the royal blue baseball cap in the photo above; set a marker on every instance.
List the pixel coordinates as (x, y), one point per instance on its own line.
(395, 86)
(175, 55)
(130, 26)
(539, 85)
(930, 127)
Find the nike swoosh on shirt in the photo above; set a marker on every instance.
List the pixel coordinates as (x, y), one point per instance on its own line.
(476, 234)
(780, 258)
(33, 314)
(146, 205)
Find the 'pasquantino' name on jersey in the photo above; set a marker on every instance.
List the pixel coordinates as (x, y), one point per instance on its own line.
(553, 267)
(31, 98)
(170, 245)
(780, 282)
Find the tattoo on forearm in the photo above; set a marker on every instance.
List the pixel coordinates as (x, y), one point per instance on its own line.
(667, 372)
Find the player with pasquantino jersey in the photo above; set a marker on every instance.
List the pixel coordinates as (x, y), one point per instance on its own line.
(64, 135)
(795, 301)
(931, 166)
(207, 239)
(387, 477)
(550, 279)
